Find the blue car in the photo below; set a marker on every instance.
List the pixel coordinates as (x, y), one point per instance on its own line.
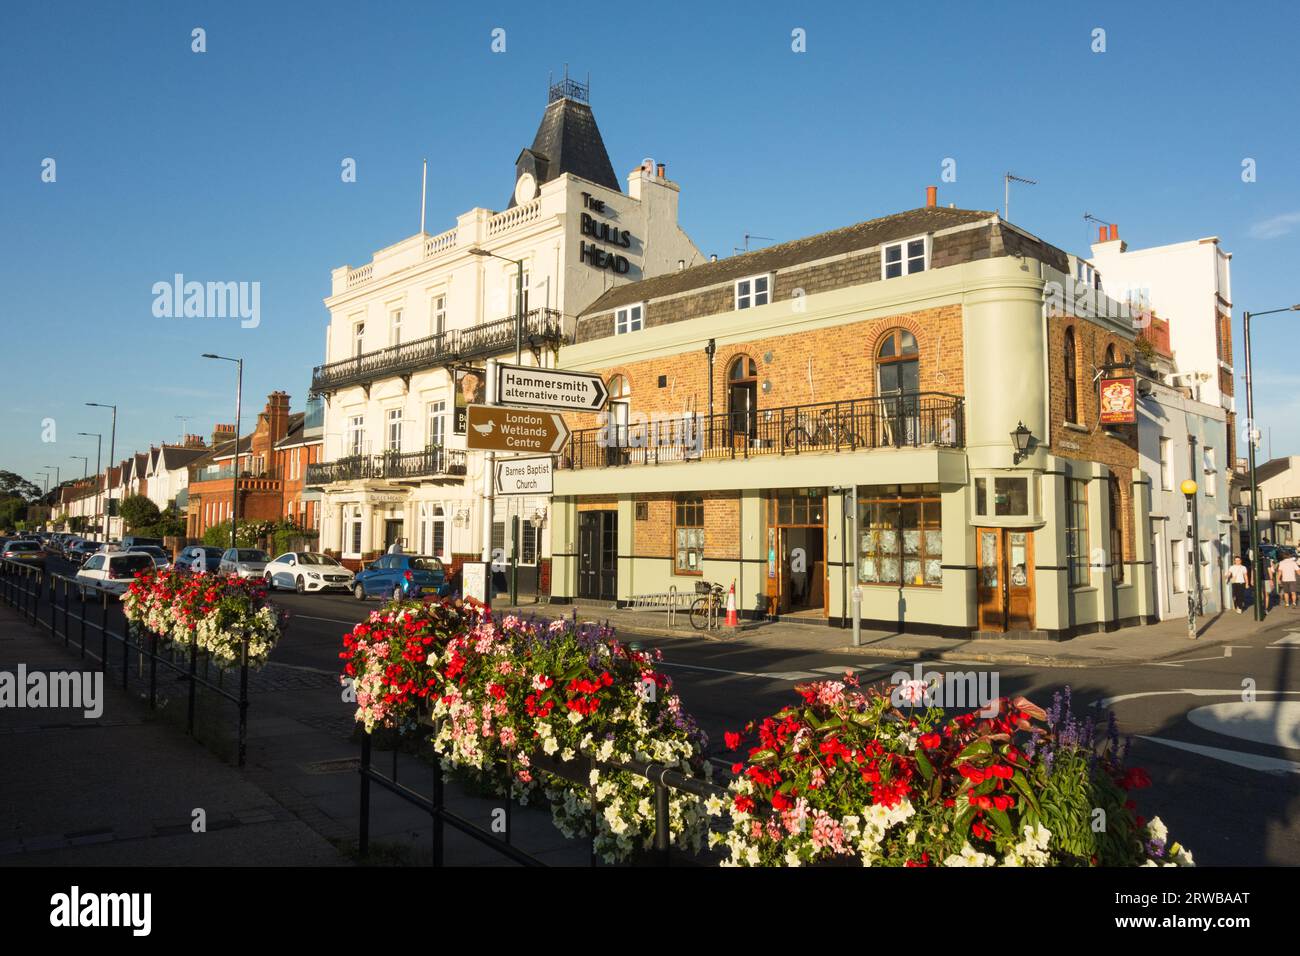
(400, 577)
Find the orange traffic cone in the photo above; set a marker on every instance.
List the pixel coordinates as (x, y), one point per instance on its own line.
(732, 620)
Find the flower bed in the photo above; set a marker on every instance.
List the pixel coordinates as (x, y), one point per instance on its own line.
(218, 611)
(845, 776)
(502, 693)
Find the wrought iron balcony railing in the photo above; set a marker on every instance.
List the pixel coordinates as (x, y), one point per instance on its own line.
(429, 463)
(910, 420)
(540, 327)
(1284, 504)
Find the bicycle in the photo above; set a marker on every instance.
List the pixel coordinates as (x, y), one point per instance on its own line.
(705, 608)
(828, 430)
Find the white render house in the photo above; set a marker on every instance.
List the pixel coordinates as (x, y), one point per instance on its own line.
(409, 331)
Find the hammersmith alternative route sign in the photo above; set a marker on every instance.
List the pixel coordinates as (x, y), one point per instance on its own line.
(492, 428)
(550, 388)
(525, 476)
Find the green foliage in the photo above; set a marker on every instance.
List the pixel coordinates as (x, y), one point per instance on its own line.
(139, 513)
(12, 485)
(12, 510)
(247, 535)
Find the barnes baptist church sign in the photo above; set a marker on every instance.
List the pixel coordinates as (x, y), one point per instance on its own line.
(591, 253)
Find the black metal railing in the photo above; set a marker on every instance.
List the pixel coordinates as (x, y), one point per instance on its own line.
(430, 462)
(540, 327)
(35, 593)
(1284, 504)
(910, 420)
(661, 778)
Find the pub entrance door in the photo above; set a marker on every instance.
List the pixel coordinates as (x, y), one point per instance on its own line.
(1005, 579)
(598, 555)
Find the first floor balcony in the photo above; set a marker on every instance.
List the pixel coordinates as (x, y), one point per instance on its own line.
(907, 420)
(539, 328)
(431, 463)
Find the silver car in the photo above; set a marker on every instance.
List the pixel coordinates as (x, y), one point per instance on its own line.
(244, 562)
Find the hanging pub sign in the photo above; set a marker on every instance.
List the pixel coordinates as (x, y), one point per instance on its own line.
(471, 389)
(1118, 401)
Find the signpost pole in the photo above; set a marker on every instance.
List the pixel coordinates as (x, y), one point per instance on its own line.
(489, 485)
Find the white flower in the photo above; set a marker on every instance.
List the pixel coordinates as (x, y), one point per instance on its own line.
(713, 805)
(575, 717)
(792, 859)
(1157, 830)
(550, 745)
(567, 754)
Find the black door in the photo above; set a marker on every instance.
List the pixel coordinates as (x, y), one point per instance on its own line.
(598, 555)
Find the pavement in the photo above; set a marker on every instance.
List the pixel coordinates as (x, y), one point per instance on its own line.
(1131, 645)
(125, 788)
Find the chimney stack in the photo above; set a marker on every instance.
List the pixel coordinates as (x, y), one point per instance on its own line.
(222, 433)
(277, 415)
(194, 441)
(1114, 232)
(1101, 233)
(931, 196)
(663, 171)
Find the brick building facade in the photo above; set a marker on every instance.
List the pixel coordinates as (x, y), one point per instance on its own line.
(865, 385)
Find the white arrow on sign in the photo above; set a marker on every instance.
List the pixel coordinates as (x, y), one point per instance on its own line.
(557, 389)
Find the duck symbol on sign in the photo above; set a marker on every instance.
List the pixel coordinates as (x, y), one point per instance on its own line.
(485, 430)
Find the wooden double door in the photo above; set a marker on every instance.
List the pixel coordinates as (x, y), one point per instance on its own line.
(1005, 578)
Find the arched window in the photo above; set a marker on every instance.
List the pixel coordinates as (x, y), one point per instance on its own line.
(1112, 359)
(620, 405)
(898, 365)
(1071, 383)
(742, 396)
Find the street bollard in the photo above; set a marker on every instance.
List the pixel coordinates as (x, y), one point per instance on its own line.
(857, 617)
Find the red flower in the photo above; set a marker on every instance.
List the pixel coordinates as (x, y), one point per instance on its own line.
(931, 740)
(732, 740)
(1135, 778)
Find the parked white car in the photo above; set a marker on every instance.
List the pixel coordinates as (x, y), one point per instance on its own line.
(162, 559)
(244, 562)
(111, 571)
(306, 571)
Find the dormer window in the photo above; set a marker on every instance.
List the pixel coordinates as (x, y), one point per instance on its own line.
(904, 258)
(628, 319)
(754, 291)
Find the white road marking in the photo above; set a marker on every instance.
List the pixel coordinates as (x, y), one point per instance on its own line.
(1227, 652)
(1197, 692)
(1292, 639)
(1258, 762)
(771, 675)
(1275, 723)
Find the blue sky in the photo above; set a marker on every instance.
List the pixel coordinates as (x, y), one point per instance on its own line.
(225, 165)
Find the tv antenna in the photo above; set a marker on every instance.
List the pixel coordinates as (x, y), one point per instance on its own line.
(749, 236)
(1007, 180)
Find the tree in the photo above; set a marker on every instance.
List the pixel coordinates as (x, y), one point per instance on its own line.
(138, 511)
(12, 510)
(12, 485)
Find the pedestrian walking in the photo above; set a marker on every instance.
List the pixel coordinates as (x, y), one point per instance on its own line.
(1286, 573)
(1239, 577)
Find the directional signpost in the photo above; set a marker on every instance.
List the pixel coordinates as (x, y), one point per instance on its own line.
(550, 388)
(514, 429)
(525, 476)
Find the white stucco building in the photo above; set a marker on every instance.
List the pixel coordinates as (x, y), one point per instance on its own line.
(1181, 298)
(430, 309)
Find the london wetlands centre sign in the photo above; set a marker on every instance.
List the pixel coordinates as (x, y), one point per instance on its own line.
(492, 428)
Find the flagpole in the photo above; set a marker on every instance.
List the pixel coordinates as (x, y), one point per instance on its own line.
(424, 185)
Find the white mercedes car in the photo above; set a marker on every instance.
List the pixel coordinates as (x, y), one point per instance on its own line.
(307, 571)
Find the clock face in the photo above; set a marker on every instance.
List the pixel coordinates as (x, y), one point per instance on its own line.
(525, 188)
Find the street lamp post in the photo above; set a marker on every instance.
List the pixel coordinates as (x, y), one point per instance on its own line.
(1188, 489)
(112, 450)
(85, 464)
(239, 396)
(99, 440)
(1257, 564)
